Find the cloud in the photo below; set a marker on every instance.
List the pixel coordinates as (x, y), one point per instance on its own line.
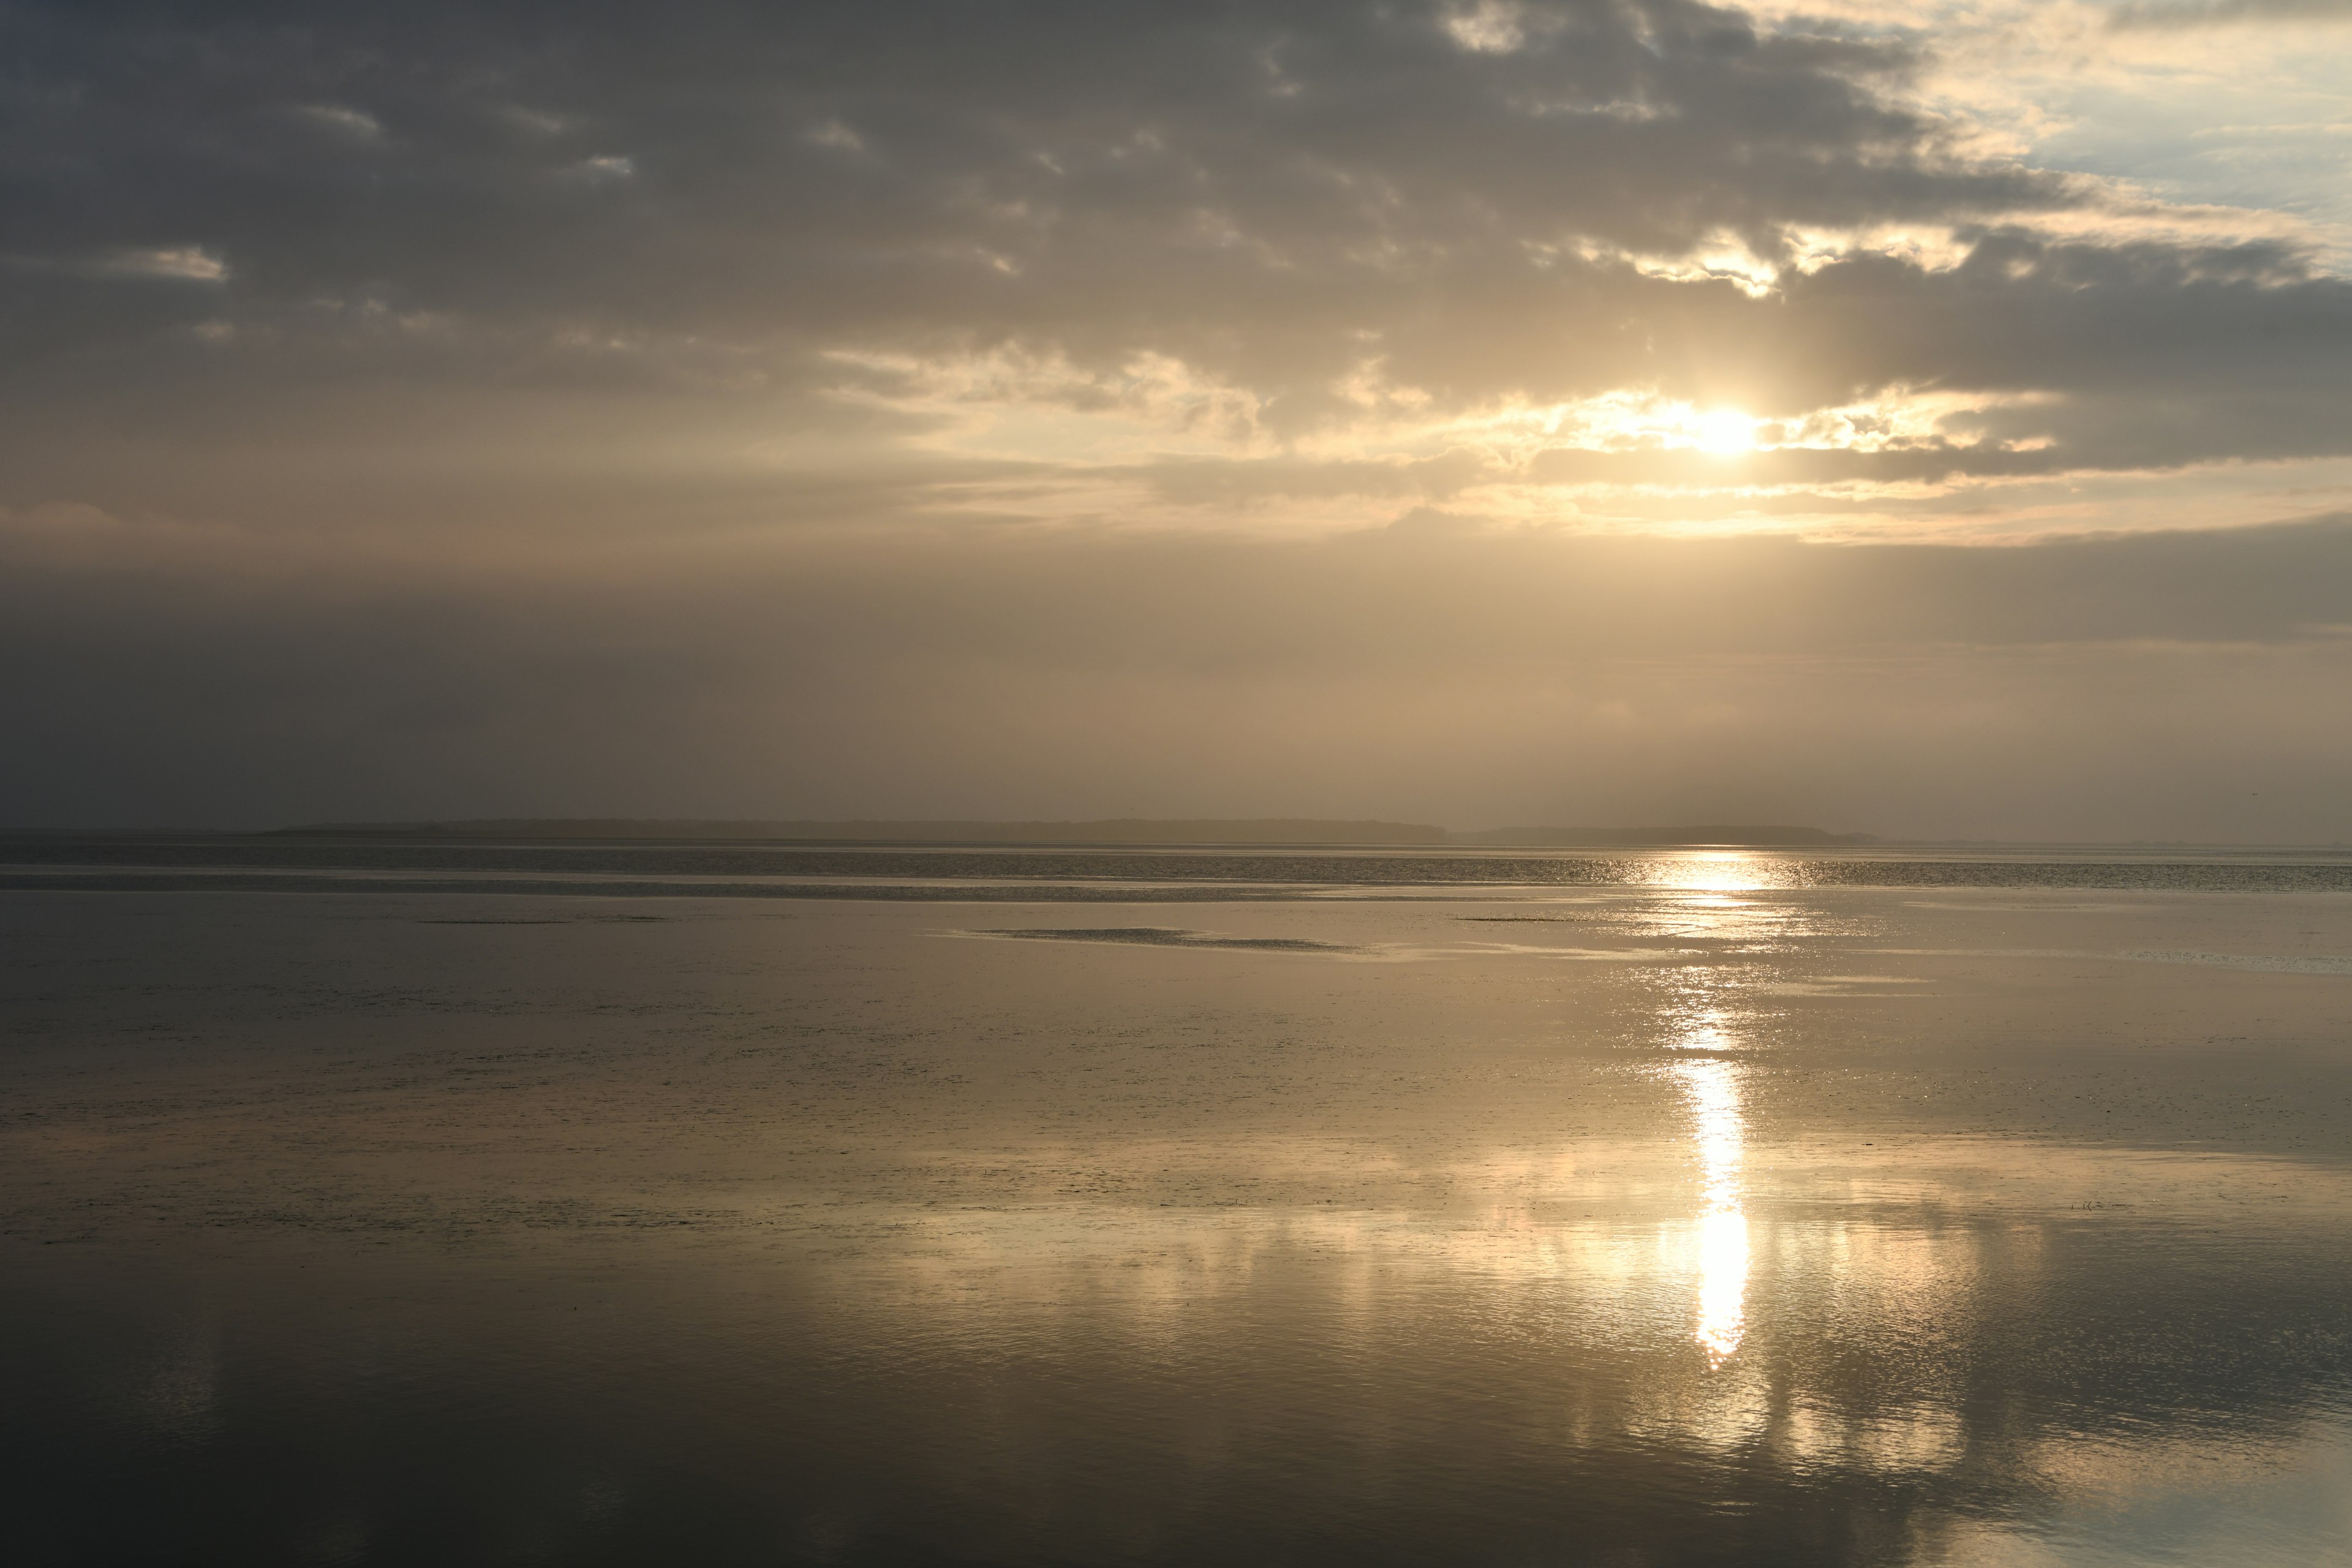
(181, 263)
(1584, 199)
(2182, 14)
(597, 170)
(924, 385)
(834, 133)
(354, 124)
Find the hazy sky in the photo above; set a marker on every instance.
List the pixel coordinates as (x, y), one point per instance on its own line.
(1929, 419)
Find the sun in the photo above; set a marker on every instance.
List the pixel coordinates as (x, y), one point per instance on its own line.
(1724, 431)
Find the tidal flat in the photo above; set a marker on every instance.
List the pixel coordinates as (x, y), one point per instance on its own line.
(1716, 1208)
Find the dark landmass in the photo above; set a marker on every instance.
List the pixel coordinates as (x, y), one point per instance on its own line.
(1747, 836)
(1113, 830)
(1285, 830)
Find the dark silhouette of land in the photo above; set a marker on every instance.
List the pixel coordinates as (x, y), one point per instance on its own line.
(1745, 835)
(1114, 830)
(1287, 830)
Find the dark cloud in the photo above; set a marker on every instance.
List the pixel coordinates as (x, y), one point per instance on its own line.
(1257, 190)
(454, 409)
(707, 197)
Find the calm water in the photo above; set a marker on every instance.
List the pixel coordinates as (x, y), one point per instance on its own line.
(530, 1203)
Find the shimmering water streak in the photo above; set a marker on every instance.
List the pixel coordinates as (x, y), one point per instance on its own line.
(1712, 1089)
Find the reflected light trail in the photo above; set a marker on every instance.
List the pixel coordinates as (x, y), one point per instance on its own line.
(1722, 871)
(1713, 1093)
(1706, 1029)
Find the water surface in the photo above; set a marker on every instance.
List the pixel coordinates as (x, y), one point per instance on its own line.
(1713, 1208)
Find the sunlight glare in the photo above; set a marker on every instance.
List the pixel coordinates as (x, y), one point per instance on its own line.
(1718, 872)
(1726, 431)
(1714, 1094)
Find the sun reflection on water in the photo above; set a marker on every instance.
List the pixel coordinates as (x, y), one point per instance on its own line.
(1717, 872)
(1712, 1089)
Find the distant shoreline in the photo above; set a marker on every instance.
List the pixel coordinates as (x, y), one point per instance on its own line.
(1317, 832)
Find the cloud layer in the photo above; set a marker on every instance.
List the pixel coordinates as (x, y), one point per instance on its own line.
(1371, 227)
(952, 382)
(2175, 685)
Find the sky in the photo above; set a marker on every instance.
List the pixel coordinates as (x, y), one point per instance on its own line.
(1932, 420)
